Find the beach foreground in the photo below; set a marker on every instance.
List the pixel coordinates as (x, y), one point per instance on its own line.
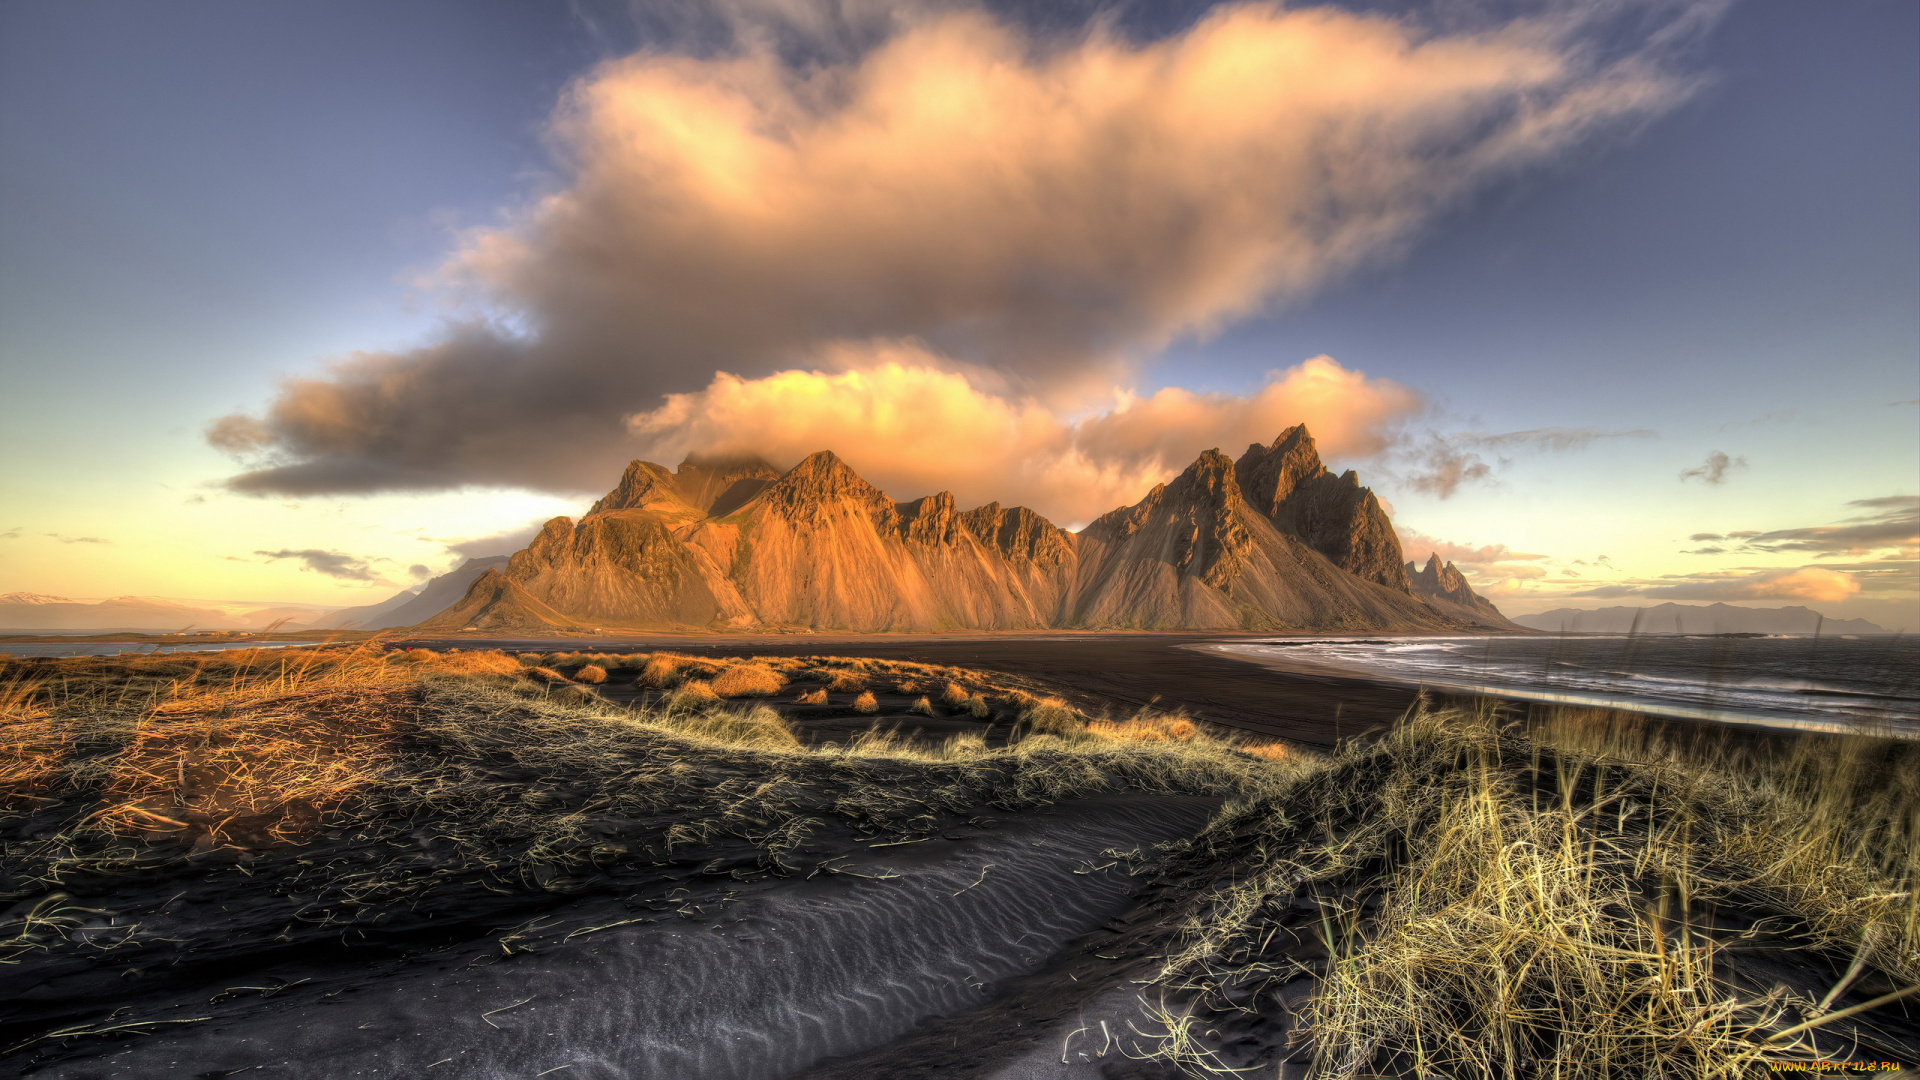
(368, 862)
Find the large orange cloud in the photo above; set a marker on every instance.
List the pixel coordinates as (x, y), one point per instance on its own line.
(913, 427)
(1047, 214)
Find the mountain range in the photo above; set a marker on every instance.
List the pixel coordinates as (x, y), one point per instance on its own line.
(1693, 619)
(1270, 541)
(41, 612)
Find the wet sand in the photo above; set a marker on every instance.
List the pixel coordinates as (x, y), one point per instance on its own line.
(1116, 673)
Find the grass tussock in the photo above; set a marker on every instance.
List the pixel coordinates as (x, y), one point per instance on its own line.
(866, 703)
(385, 779)
(812, 697)
(1172, 727)
(920, 707)
(747, 680)
(591, 674)
(1492, 902)
(692, 694)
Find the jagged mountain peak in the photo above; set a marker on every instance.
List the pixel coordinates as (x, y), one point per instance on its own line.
(733, 543)
(1211, 477)
(1269, 475)
(821, 478)
(643, 486)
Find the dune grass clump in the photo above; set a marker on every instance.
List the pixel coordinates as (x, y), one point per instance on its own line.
(921, 706)
(747, 680)
(954, 696)
(1491, 903)
(866, 703)
(1146, 727)
(1051, 716)
(592, 674)
(692, 694)
(812, 697)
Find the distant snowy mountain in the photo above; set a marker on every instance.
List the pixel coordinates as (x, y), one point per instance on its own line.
(34, 612)
(1693, 619)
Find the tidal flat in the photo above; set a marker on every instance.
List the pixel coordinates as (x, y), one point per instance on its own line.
(364, 861)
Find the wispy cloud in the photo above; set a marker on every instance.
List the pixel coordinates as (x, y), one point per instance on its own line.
(1444, 463)
(78, 539)
(1891, 522)
(1715, 469)
(1810, 583)
(333, 564)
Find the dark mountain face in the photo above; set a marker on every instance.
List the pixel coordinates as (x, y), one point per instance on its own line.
(1333, 515)
(1446, 589)
(1274, 541)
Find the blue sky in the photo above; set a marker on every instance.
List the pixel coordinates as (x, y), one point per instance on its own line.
(202, 199)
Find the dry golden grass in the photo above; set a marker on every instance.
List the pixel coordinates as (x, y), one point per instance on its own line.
(846, 682)
(747, 680)
(812, 697)
(168, 754)
(1146, 728)
(1272, 751)
(692, 694)
(1496, 905)
(592, 674)
(866, 703)
(921, 706)
(954, 695)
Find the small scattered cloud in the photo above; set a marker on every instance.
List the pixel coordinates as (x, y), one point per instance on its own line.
(1418, 546)
(1444, 468)
(1713, 470)
(78, 539)
(1557, 439)
(10, 534)
(333, 564)
(1813, 583)
(419, 572)
(1889, 522)
(1447, 462)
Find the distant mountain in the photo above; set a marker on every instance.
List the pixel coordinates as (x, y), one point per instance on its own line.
(32, 598)
(30, 612)
(1274, 541)
(1693, 619)
(1446, 589)
(416, 605)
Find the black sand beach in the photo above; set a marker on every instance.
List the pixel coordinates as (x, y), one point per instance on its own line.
(1101, 672)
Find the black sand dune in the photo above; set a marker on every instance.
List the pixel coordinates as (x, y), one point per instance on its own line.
(525, 884)
(1113, 673)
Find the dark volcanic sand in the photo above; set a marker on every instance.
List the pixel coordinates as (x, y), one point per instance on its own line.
(1103, 672)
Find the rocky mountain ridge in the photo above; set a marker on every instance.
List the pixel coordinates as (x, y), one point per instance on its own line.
(1444, 587)
(1273, 541)
(1672, 618)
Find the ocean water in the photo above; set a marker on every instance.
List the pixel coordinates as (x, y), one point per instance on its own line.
(1825, 683)
(119, 648)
